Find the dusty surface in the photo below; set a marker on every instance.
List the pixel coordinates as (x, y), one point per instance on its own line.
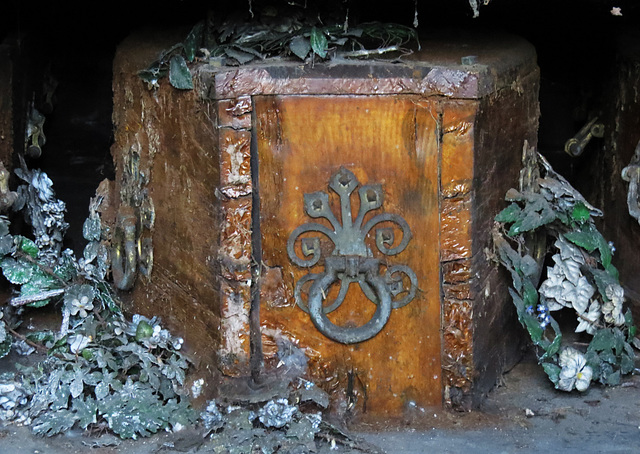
(603, 420)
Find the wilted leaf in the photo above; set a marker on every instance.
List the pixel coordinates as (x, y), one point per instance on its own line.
(179, 74)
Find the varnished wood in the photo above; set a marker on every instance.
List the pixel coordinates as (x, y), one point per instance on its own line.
(175, 135)
(302, 141)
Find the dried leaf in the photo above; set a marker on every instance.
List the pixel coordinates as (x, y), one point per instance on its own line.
(241, 56)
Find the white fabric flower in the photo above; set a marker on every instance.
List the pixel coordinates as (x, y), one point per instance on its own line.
(589, 319)
(612, 309)
(575, 373)
(561, 291)
(78, 342)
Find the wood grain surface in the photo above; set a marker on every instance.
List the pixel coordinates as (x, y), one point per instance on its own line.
(391, 140)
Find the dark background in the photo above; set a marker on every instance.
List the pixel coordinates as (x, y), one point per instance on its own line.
(73, 44)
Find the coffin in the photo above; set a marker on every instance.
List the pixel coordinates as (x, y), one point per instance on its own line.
(342, 209)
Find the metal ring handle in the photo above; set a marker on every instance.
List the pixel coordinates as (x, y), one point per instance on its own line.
(349, 335)
(302, 304)
(125, 256)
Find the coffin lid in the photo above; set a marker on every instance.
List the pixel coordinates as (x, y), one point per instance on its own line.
(436, 69)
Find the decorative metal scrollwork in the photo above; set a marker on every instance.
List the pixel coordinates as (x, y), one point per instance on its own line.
(351, 260)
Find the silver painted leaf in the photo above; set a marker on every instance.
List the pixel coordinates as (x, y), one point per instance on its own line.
(300, 46)
(179, 74)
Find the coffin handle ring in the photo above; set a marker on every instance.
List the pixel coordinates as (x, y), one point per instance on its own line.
(125, 254)
(349, 335)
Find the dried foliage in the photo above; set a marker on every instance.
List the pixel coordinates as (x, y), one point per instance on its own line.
(297, 34)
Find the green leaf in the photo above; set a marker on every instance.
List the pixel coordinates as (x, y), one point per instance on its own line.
(319, 42)
(509, 214)
(607, 356)
(530, 221)
(530, 294)
(40, 282)
(554, 347)
(76, 387)
(54, 422)
(105, 296)
(585, 239)
(602, 280)
(300, 46)
(602, 340)
(193, 41)
(17, 271)
(628, 318)
(533, 327)
(27, 246)
(613, 379)
(85, 411)
(41, 337)
(580, 212)
(179, 74)
(627, 364)
(5, 347)
(553, 371)
(618, 341)
(4, 226)
(6, 244)
(101, 390)
(144, 330)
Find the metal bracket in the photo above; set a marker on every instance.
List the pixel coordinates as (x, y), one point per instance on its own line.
(576, 145)
(351, 260)
(132, 248)
(631, 173)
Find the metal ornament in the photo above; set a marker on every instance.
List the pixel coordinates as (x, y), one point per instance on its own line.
(351, 260)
